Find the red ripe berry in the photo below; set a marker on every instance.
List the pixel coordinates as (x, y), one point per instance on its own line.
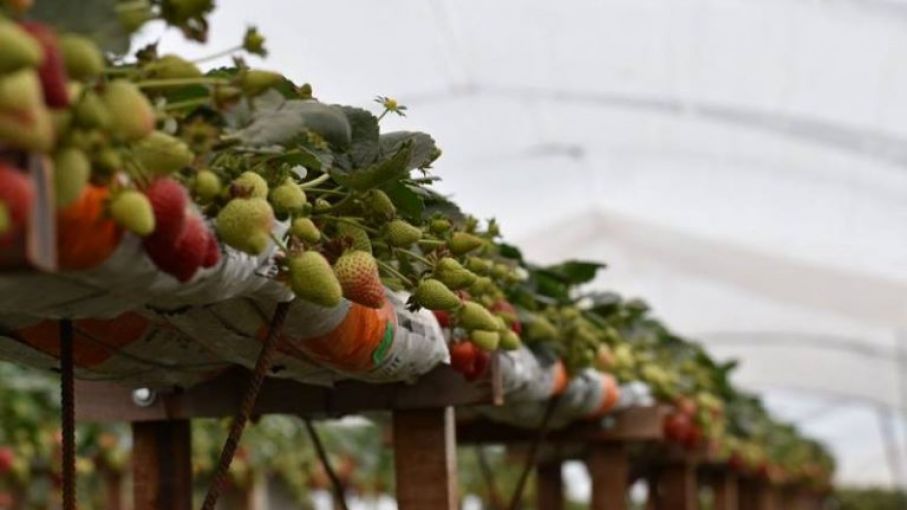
(183, 258)
(443, 318)
(52, 71)
(463, 357)
(212, 251)
(16, 194)
(505, 308)
(736, 462)
(677, 427)
(168, 200)
(693, 439)
(483, 359)
(7, 457)
(686, 405)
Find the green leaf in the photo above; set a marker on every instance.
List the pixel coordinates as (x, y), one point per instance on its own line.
(96, 19)
(510, 251)
(575, 272)
(273, 120)
(363, 125)
(409, 204)
(379, 174)
(424, 149)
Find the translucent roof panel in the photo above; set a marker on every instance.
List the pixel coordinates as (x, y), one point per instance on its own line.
(741, 164)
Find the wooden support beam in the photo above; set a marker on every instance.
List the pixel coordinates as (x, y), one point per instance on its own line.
(425, 459)
(549, 486)
(677, 487)
(609, 469)
(113, 489)
(725, 490)
(220, 397)
(162, 465)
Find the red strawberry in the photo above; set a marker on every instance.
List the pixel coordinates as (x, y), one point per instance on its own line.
(443, 317)
(358, 275)
(52, 71)
(7, 457)
(212, 251)
(17, 194)
(693, 439)
(183, 258)
(463, 357)
(686, 405)
(677, 427)
(483, 359)
(168, 200)
(510, 315)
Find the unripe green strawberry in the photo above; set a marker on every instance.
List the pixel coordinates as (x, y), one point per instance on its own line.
(19, 49)
(321, 205)
(207, 185)
(439, 226)
(380, 203)
(288, 198)
(178, 12)
(485, 340)
(401, 234)
(479, 265)
(20, 91)
(541, 329)
(482, 285)
(137, 13)
(108, 159)
(171, 67)
(162, 154)
(62, 122)
(461, 243)
(71, 173)
(434, 295)
(249, 184)
(90, 112)
(131, 115)
(30, 130)
(253, 82)
(306, 230)
(132, 211)
(358, 275)
(510, 341)
(452, 274)
(500, 271)
(313, 280)
(81, 56)
(357, 237)
(476, 316)
(245, 224)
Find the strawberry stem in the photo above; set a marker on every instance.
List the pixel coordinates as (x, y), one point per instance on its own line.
(182, 82)
(219, 54)
(416, 256)
(356, 224)
(390, 269)
(187, 103)
(279, 242)
(316, 181)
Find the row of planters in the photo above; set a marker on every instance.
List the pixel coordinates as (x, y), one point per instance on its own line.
(167, 211)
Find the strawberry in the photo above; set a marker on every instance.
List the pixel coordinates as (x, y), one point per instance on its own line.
(479, 265)
(182, 258)
(20, 91)
(475, 316)
(249, 185)
(434, 295)
(131, 115)
(131, 209)
(170, 67)
(443, 318)
(677, 427)
(462, 243)
(312, 279)
(357, 273)
(463, 357)
(162, 154)
(207, 185)
(510, 341)
(253, 82)
(168, 201)
(402, 234)
(82, 58)
(71, 172)
(304, 229)
(483, 359)
(485, 340)
(355, 236)
(505, 310)
(439, 226)
(686, 405)
(90, 112)
(380, 203)
(245, 224)
(25, 122)
(288, 198)
(20, 50)
(7, 459)
(52, 71)
(452, 274)
(17, 195)
(212, 251)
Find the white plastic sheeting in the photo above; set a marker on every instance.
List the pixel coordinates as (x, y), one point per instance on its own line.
(742, 164)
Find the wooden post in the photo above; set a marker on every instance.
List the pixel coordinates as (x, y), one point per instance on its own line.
(724, 488)
(425, 459)
(162, 465)
(677, 489)
(609, 469)
(549, 486)
(113, 489)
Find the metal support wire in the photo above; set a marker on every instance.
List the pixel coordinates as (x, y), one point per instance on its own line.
(336, 485)
(532, 459)
(238, 425)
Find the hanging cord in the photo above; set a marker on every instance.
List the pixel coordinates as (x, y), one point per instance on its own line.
(531, 461)
(325, 462)
(67, 393)
(493, 495)
(256, 379)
